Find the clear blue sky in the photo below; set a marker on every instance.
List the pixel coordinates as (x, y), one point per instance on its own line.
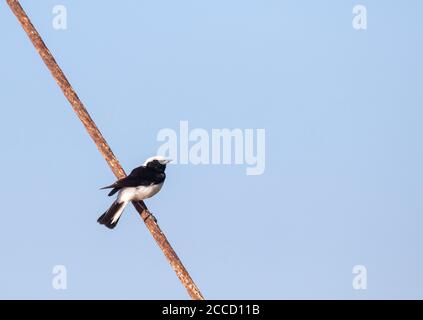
(343, 116)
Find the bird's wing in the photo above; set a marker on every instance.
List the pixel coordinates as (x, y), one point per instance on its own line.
(140, 171)
(140, 176)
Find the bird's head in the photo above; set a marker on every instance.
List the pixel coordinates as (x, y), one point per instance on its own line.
(157, 162)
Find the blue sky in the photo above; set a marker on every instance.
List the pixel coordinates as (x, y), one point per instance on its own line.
(342, 110)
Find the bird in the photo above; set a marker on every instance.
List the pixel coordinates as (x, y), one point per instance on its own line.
(142, 183)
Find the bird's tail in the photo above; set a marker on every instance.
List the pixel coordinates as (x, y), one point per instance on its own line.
(111, 217)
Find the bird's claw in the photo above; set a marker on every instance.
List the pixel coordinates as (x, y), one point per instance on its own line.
(150, 216)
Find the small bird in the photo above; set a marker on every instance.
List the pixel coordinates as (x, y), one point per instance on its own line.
(142, 183)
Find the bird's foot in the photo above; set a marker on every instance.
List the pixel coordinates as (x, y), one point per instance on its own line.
(150, 216)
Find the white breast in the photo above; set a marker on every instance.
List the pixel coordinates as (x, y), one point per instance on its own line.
(139, 193)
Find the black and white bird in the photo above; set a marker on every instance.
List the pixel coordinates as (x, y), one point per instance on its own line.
(142, 183)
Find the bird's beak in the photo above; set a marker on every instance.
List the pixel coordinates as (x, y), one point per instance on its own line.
(168, 161)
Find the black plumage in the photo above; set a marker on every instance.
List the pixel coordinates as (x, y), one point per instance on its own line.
(107, 217)
(152, 173)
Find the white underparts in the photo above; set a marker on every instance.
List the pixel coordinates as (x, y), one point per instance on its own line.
(138, 193)
(135, 194)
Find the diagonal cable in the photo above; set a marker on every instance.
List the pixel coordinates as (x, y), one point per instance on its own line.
(102, 146)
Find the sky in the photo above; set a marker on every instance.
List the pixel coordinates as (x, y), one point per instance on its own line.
(342, 113)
